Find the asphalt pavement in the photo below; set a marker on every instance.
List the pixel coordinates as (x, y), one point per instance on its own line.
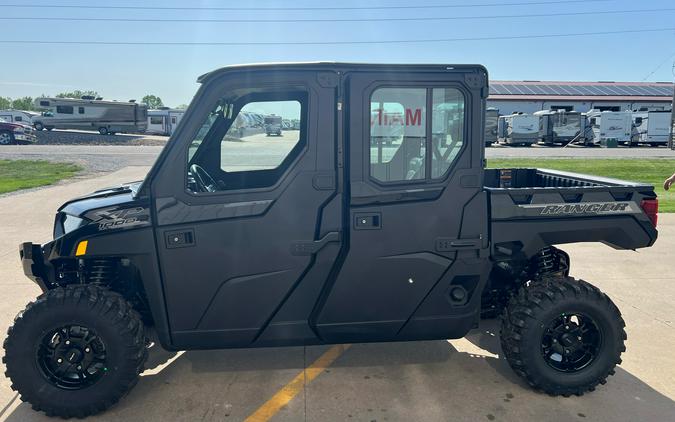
(457, 380)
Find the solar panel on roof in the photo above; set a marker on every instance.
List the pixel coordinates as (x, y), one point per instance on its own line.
(570, 89)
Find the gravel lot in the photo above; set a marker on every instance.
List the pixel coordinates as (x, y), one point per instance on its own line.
(79, 137)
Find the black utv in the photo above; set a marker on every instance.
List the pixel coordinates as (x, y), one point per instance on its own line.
(330, 236)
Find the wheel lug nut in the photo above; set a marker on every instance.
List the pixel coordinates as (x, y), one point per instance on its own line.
(555, 341)
(59, 360)
(67, 342)
(567, 327)
(579, 338)
(87, 349)
(567, 351)
(79, 367)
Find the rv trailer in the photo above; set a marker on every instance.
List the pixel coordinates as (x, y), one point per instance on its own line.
(559, 126)
(612, 125)
(87, 113)
(491, 118)
(163, 121)
(518, 129)
(653, 127)
(18, 116)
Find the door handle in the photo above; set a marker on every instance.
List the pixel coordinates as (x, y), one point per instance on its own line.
(444, 244)
(310, 247)
(367, 221)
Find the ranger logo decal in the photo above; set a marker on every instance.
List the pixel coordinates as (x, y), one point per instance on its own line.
(585, 208)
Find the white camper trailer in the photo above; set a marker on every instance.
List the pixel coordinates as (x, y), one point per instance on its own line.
(653, 127)
(491, 118)
(559, 126)
(617, 125)
(18, 116)
(88, 113)
(163, 121)
(518, 129)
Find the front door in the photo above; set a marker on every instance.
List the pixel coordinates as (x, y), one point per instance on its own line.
(247, 222)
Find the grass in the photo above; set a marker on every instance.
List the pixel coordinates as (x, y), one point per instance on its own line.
(653, 171)
(25, 174)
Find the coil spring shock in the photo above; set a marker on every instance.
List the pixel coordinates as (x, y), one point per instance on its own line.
(101, 270)
(546, 261)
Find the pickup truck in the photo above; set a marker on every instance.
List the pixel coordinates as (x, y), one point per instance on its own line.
(13, 133)
(326, 237)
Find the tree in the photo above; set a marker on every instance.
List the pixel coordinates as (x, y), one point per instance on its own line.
(77, 94)
(152, 101)
(5, 103)
(24, 103)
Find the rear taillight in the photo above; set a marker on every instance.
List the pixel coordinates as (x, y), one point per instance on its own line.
(651, 208)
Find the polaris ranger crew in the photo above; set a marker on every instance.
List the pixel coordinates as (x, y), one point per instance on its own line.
(324, 238)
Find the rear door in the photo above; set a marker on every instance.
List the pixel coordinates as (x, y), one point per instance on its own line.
(243, 258)
(417, 223)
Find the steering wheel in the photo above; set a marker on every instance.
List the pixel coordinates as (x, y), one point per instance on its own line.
(204, 181)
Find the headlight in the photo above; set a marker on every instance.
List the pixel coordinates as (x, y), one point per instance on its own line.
(66, 223)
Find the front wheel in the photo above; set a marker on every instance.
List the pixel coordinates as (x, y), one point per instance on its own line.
(564, 336)
(75, 351)
(103, 130)
(6, 138)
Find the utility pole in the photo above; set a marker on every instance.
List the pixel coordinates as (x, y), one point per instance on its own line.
(671, 138)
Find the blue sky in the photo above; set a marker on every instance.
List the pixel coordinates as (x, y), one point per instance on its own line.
(130, 71)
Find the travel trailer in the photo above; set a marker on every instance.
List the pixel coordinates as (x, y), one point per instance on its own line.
(273, 125)
(559, 126)
(18, 116)
(653, 127)
(163, 121)
(518, 129)
(87, 113)
(491, 118)
(617, 125)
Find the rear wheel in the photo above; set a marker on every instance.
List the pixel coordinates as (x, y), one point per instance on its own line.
(6, 138)
(75, 351)
(38, 126)
(564, 336)
(102, 130)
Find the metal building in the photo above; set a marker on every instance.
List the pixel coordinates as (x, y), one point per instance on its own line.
(531, 96)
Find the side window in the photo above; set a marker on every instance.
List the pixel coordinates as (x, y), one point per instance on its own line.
(398, 134)
(18, 119)
(447, 124)
(257, 139)
(64, 109)
(400, 146)
(80, 110)
(156, 120)
(247, 142)
(44, 103)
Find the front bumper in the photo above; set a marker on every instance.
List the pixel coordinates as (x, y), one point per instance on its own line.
(33, 262)
(25, 137)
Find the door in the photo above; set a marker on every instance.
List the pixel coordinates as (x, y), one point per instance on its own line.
(248, 226)
(417, 235)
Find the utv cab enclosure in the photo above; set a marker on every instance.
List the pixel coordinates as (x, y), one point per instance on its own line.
(324, 237)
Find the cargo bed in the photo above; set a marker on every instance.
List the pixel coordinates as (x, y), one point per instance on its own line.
(530, 208)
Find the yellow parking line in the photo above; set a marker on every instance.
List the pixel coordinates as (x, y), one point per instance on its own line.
(290, 390)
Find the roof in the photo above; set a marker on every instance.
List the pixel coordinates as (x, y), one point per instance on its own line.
(345, 66)
(581, 91)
